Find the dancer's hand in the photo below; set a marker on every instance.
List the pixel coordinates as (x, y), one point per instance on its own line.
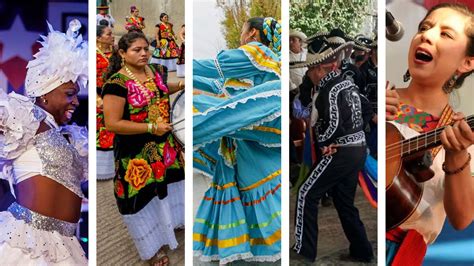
(391, 102)
(329, 150)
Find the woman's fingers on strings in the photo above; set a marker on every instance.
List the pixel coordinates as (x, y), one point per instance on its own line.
(465, 134)
(444, 140)
(451, 138)
(458, 116)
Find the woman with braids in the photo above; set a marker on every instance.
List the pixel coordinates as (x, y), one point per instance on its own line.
(441, 56)
(236, 129)
(149, 185)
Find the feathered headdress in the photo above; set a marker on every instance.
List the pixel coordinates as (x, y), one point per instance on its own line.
(62, 58)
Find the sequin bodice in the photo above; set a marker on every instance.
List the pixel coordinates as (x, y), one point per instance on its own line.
(61, 162)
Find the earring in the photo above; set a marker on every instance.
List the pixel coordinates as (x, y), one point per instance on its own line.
(123, 62)
(449, 86)
(45, 102)
(406, 76)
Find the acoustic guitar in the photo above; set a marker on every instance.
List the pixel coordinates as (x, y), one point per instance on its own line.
(408, 164)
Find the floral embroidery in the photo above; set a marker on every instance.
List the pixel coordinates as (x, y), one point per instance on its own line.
(119, 190)
(138, 97)
(106, 139)
(169, 154)
(138, 173)
(139, 117)
(163, 107)
(158, 170)
(160, 83)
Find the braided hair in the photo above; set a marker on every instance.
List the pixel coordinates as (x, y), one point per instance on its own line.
(269, 30)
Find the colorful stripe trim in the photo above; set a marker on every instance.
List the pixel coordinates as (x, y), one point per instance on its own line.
(260, 58)
(199, 161)
(223, 202)
(207, 157)
(228, 185)
(201, 92)
(264, 197)
(238, 83)
(246, 204)
(231, 242)
(268, 129)
(262, 181)
(238, 223)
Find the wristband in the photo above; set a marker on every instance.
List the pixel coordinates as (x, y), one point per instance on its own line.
(459, 170)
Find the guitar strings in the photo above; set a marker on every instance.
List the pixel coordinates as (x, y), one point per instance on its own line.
(397, 146)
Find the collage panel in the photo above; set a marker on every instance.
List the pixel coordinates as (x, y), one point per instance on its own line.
(333, 132)
(44, 133)
(429, 184)
(237, 132)
(140, 132)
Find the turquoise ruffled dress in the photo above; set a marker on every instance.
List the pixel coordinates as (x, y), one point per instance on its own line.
(237, 139)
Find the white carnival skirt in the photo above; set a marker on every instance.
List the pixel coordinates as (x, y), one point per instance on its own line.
(153, 226)
(105, 165)
(29, 238)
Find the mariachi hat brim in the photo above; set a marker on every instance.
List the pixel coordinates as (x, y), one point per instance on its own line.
(330, 54)
(366, 42)
(357, 44)
(103, 7)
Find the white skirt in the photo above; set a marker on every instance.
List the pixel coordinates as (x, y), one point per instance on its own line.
(105, 165)
(180, 71)
(23, 244)
(153, 226)
(169, 63)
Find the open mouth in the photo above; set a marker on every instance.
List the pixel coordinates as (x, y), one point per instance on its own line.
(69, 113)
(423, 55)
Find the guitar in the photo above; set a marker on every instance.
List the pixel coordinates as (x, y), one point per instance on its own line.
(408, 164)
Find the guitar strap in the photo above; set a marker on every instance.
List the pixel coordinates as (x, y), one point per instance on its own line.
(445, 119)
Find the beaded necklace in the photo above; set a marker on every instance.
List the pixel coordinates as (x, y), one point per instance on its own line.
(144, 86)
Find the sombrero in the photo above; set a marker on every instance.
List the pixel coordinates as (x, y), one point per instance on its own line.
(298, 34)
(324, 48)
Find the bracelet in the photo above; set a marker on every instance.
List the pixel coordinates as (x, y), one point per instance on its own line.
(150, 128)
(459, 170)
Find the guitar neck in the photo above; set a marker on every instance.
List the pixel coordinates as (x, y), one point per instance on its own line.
(427, 140)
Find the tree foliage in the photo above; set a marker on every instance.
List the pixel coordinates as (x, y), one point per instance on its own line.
(237, 12)
(313, 16)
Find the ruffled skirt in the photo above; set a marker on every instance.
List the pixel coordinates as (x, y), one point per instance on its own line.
(235, 224)
(153, 226)
(23, 243)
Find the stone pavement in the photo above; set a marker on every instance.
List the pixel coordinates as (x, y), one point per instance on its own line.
(333, 247)
(114, 245)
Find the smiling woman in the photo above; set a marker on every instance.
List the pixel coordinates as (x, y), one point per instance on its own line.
(45, 167)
